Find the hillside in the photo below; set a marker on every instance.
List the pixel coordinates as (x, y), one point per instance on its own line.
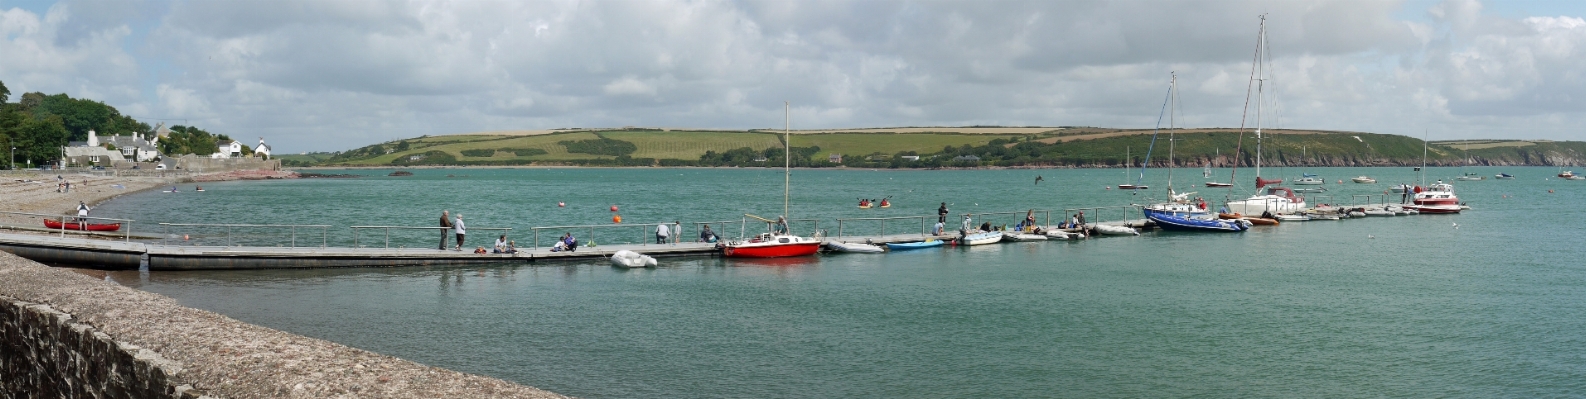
(940, 147)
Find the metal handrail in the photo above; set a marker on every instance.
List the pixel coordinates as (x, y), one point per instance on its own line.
(923, 228)
(1096, 212)
(1046, 213)
(128, 230)
(322, 230)
(644, 231)
(744, 227)
(388, 231)
(698, 229)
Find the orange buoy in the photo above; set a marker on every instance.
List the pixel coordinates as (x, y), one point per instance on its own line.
(616, 218)
(613, 208)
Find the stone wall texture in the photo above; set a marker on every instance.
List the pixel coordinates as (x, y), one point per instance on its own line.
(65, 334)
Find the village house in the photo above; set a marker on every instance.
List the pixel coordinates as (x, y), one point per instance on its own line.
(227, 149)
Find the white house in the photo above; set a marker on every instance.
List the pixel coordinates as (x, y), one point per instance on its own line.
(133, 146)
(227, 149)
(88, 152)
(262, 150)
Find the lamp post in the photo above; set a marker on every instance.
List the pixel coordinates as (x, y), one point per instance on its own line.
(13, 158)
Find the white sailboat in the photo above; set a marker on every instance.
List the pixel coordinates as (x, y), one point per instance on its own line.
(1128, 164)
(1469, 176)
(1307, 179)
(1275, 199)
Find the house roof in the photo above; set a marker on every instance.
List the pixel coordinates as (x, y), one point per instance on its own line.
(92, 152)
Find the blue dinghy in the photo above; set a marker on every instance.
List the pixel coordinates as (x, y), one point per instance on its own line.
(904, 246)
(1176, 221)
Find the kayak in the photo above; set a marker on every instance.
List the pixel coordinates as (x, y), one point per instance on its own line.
(56, 224)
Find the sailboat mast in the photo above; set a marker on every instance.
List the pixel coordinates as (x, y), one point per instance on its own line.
(1424, 137)
(787, 160)
(1173, 99)
(1261, 48)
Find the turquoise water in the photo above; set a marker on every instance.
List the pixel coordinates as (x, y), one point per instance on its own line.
(1403, 306)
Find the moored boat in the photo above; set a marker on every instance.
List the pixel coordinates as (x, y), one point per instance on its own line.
(629, 259)
(1216, 184)
(1437, 198)
(1504, 176)
(1114, 230)
(1181, 221)
(83, 226)
(904, 246)
(1017, 237)
(1292, 218)
(854, 247)
(989, 237)
(771, 245)
(1364, 180)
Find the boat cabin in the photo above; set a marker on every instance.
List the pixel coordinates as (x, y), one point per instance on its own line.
(1284, 192)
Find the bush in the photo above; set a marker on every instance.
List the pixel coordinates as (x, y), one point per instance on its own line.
(525, 152)
(485, 152)
(600, 146)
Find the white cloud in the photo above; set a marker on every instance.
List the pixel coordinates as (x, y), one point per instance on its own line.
(318, 75)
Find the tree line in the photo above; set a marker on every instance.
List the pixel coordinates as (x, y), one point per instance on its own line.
(38, 125)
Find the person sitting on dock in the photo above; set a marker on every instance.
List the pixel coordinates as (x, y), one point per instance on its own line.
(661, 233)
(938, 230)
(985, 226)
(572, 243)
(706, 235)
(501, 245)
(1029, 220)
(512, 247)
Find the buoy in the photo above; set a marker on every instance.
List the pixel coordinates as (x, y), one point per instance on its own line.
(184, 236)
(1550, 191)
(616, 218)
(561, 204)
(613, 208)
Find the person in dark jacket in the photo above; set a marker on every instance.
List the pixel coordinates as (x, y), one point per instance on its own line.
(446, 226)
(941, 213)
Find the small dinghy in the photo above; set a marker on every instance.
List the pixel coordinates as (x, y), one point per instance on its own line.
(628, 259)
(1015, 237)
(1114, 230)
(1379, 212)
(904, 246)
(854, 247)
(989, 237)
(1292, 218)
(1505, 176)
(1056, 234)
(57, 225)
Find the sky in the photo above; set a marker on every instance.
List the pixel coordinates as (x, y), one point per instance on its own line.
(327, 75)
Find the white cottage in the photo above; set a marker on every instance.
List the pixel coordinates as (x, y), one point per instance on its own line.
(263, 150)
(227, 149)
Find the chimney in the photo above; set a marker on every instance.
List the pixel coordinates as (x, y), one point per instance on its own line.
(93, 140)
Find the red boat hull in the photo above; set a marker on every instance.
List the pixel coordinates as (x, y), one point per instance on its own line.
(53, 224)
(772, 250)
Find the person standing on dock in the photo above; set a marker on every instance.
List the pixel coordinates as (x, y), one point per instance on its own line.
(82, 210)
(677, 227)
(941, 214)
(661, 233)
(460, 229)
(446, 225)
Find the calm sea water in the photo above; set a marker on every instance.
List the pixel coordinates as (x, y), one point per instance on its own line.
(1403, 306)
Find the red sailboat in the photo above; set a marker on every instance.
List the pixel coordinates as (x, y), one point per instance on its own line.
(56, 224)
(779, 242)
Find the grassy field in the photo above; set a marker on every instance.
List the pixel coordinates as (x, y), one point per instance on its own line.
(1081, 146)
(692, 144)
(861, 144)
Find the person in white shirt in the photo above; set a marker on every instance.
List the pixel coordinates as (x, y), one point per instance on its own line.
(501, 244)
(457, 226)
(661, 233)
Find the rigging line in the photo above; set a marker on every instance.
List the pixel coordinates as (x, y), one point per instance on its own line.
(1233, 176)
(1158, 128)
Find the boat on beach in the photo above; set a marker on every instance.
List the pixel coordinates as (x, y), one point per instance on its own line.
(81, 226)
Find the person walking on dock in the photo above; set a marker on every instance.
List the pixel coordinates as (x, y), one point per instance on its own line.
(661, 233)
(941, 213)
(446, 225)
(461, 230)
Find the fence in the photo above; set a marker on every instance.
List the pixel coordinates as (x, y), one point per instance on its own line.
(842, 224)
(1101, 214)
(230, 240)
(387, 229)
(81, 222)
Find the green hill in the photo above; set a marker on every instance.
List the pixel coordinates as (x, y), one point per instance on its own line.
(945, 147)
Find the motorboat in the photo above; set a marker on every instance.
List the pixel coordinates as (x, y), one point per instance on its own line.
(904, 246)
(1310, 189)
(1504, 176)
(1292, 217)
(83, 226)
(1216, 184)
(1437, 198)
(989, 237)
(1364, 180)
(628, 260)
(854, 247)
(1114, 230)
(1309, 180)
(1472, 176)
(1261, 221)
(1019, 237)
(1379, 212)
(1400, 188)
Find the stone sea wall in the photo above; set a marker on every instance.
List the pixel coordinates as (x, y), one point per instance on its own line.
(66, 334)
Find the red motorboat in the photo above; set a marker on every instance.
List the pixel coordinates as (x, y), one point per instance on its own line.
(1438, 198)
(56, 224)
(768, 245)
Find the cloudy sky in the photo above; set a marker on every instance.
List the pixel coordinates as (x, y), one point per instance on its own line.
(323, 75)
